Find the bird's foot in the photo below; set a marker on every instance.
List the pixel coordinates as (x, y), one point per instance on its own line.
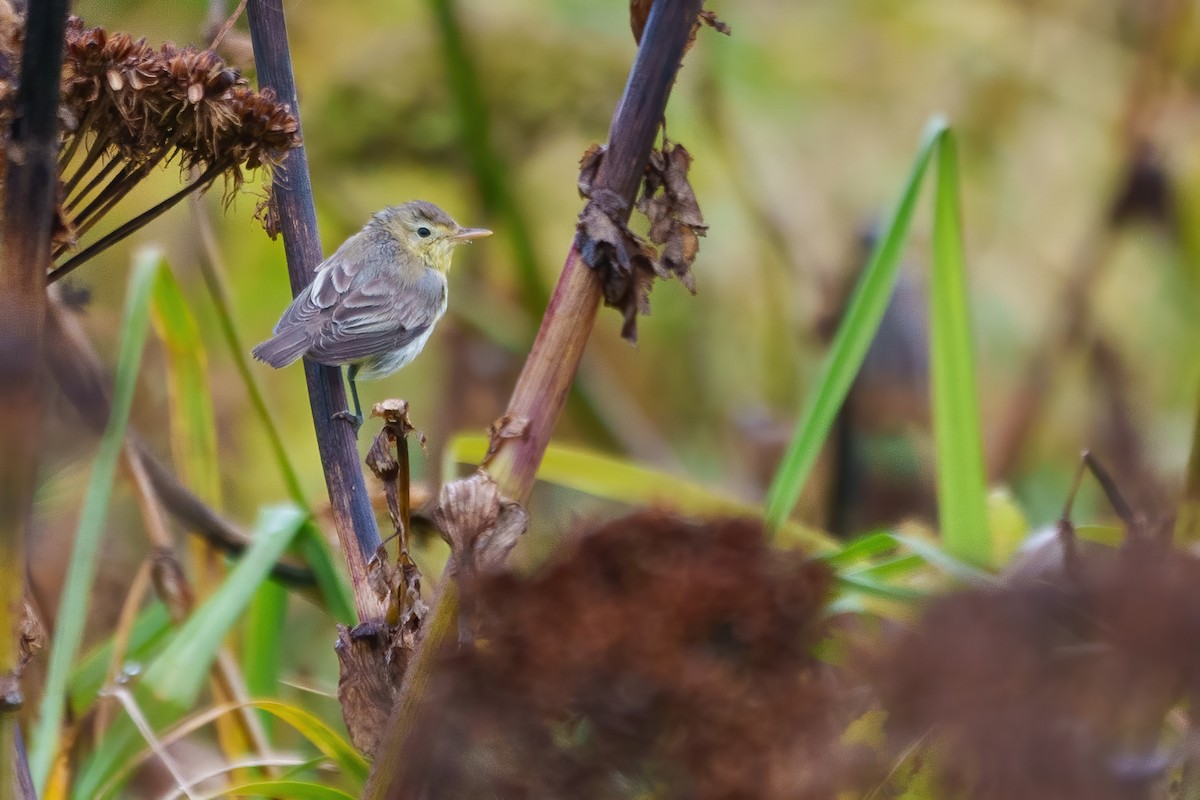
(355, 420)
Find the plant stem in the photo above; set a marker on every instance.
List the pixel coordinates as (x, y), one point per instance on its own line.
(353, 516)
(546, 378)
(31, 181)
(542, 387)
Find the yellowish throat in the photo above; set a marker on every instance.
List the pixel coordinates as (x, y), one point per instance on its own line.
(373, 303)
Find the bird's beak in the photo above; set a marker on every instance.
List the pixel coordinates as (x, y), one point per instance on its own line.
(467, 234)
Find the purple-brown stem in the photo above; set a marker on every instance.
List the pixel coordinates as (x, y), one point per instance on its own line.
(353, 516)
(542, 387)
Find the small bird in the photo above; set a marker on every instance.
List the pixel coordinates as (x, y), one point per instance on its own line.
(374, 302)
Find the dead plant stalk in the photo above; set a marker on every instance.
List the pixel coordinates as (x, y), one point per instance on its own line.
(29, 187)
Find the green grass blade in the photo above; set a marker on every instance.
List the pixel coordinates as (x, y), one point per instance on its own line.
(291, 789)
(324, 738)
(179, 673)
(863, 314)
(81, 570)
(626, 482)
(173, 681)
(943, 561)
(961, 483)
(262, 638)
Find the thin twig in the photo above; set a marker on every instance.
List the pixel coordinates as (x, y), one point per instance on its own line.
(138, 222)
(225, 28)
(74, 201)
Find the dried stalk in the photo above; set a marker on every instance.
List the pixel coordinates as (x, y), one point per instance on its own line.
(135, 224)
(353, 516)
(544, 382)
(30, 182)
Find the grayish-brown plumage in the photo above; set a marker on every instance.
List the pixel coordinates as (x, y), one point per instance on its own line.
(373, 304)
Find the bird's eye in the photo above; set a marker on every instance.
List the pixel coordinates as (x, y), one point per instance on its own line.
(424, 232)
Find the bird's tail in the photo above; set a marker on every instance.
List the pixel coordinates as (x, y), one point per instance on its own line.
(283, 348)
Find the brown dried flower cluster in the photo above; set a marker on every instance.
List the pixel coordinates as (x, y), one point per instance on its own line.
(128, 107)
(145, 101)
(662, 658)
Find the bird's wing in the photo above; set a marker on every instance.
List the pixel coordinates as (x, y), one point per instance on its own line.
(350, 315)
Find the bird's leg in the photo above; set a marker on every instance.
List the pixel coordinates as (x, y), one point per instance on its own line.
(355, 419)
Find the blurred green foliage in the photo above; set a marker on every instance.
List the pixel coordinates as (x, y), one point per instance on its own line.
(802, 125)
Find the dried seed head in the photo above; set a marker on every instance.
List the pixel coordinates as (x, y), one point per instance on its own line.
(125, 101)
(479, 524)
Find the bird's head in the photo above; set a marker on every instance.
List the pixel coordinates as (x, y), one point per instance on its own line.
(425, 231)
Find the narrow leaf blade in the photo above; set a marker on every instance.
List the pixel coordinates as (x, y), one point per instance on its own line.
(961, 484)
(863, 315)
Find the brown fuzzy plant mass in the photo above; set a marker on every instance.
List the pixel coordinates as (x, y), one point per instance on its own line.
(127, 108)
(1060, 686)
(661, 658)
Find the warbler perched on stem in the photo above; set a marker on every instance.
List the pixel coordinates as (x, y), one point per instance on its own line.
(374, 302)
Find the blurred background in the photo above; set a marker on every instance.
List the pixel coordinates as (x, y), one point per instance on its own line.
(1080, 168)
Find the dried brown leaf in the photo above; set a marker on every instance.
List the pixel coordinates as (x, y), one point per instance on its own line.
(479, 524)
(510, 426)
(627, 263)
(669, 202)
(589, 165)
(384, 579)
(267, 214)
(381, 458)
(370, 671)
(711, 19)
(32, 635)
(624, 261)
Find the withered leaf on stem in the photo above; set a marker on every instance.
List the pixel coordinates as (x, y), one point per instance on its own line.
(384, 578)
(669, 202)
(372, 657)
(509, 426)
(371, 664)
(381, 458)
(31, 639)
(588, 166)
(267, 214)
(626, 262)
(479, 524)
